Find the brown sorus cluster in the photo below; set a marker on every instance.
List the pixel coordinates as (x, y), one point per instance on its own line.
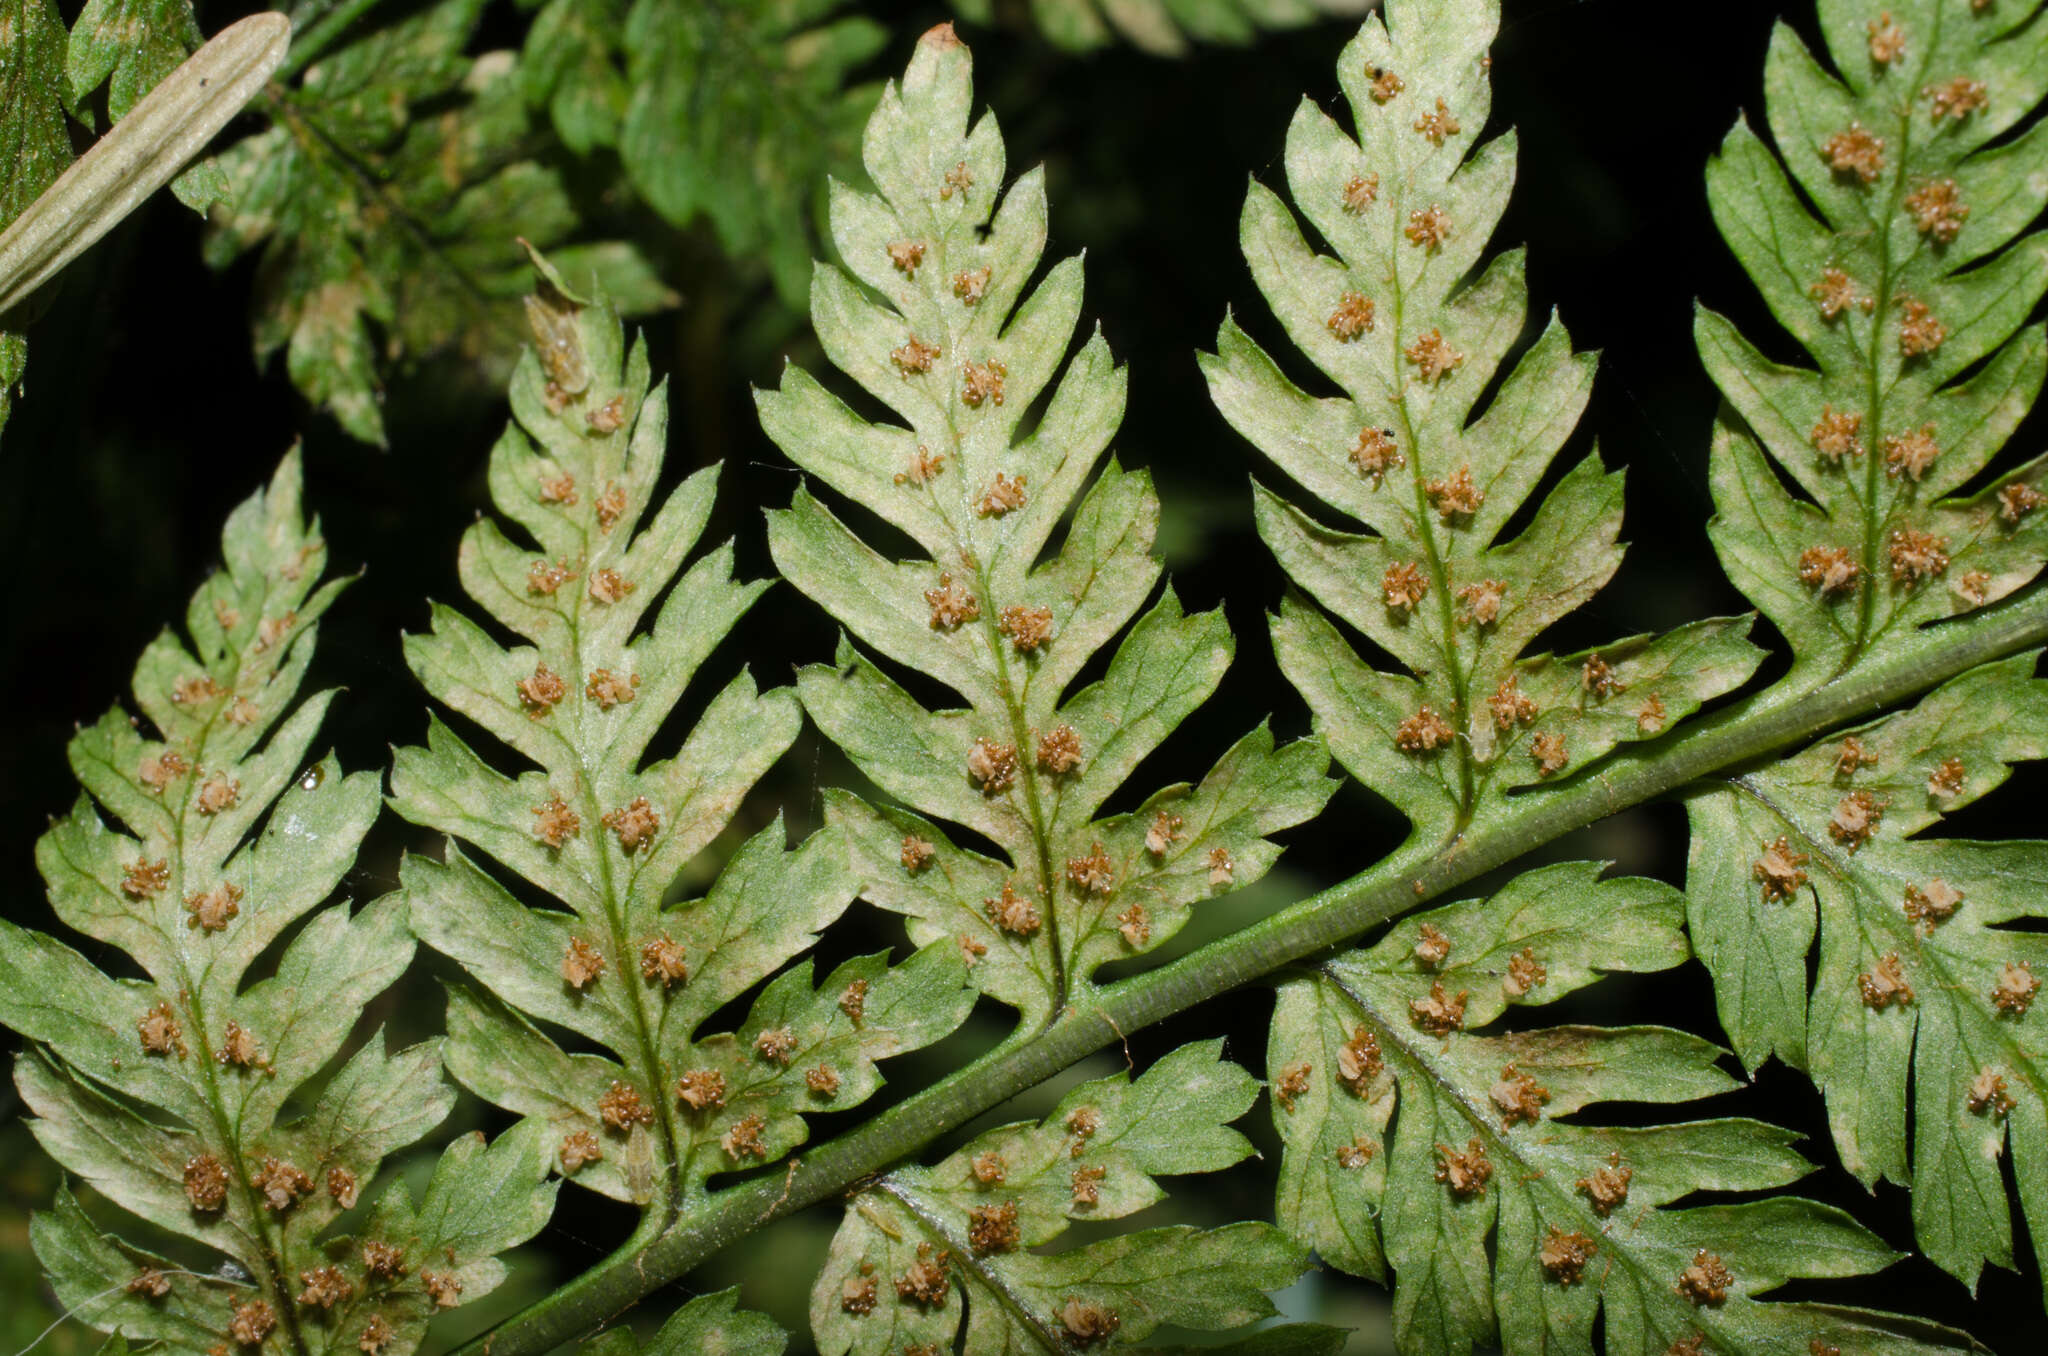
(1359, 1061)
(969, 284)
(2016, 501)
(1828, 569)
(1437, 124)
(951, 605)
(992, 766)
(1778, 869)
(212, 910)
(1548, 752)
(325, 1287)
(1429, 227)
(579, 1149)
(1012, 912)
(554, 823)
(906, 255)
(1887, 39)
(621, 1107)
(558, 490)
(1003, 494)
(1222, 868)
(1292, 1083)
(923, 465)
(822, 1081)
(1404, 585)
(611, 505)
(443, 1288)
(981, 382)
(1088, 1324)
(989, 1168)
(913, 356)
(857, 1294)
(1432, 946)
(1510, 705)
(2015, 990)
(1027, 627)
(635, 824)
(742, 1139)
(917, 854)
(582, 964)
(1467, 1173)
(1360, 192)
(1650, 717)
(142, 879)
(1564, 1256)
(1520, 1098)
(1059, 751)
(539, 693)
(1092, 874)
(1385, 84)
(1434, 359)
(1135, 925)
(608, 587)
(701, 1089)
(1938, 210)
(1163, 833)
(1947, 779)
(993, 1228)
(1884, 984)
(1911, 454)
(1916, 556)
(926, 1281)
(1919, 332)
(252, 1322)
(1855, 819)
(341, 1187)
(1606, 1188)
(1082, 1123)
(1454, 496)
(1375, 453)
(383, 1260)
(776, 1045)
(1987, 1095)
(1957, 98)
(281, 1183)
(1423, 732)
(1854, 153)
(1086, 1185)
(1706, 1281)
(1525, 972)
(1837, 434)
(854, 1001)
(1439, 1014)
(206, 1182)
(1933, 905)
(1597, 678)
(1479, 604)
(1836, 292)
(1357, 1153)
(1353, 316)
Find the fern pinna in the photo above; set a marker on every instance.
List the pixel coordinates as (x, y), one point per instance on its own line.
(931, 316)
(1883, 230)
(1410, 336)
(603, 832)
(166, 1092)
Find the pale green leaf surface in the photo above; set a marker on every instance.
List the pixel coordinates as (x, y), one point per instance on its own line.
(1485, 1205)
(933, 315)
(1398, 323)
(1918, 1010)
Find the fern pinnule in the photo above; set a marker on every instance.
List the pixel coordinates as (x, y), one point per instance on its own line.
(616, 628)
(167, 1093)
(1884, 233)
(1419, 1143)
(922, 1252)
(709, 1325)
(930, 316)
(1916, 1022)
(1412, 341)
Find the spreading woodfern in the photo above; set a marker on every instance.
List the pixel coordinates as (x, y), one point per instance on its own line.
(605, 833)
(979, 484)
(1412, 342)
(166, 1093)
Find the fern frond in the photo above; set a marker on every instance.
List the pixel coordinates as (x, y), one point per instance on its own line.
(1884, 235)
(710, 1325)
(32, 136)
(922, 1250)
(1166, 28)
(732, 113)
(1504, 1223)
(1920, 978)
(931, 318)
(129, 46)
(390, 235)
(1412, 342)
(167, 1093)
(604, 832)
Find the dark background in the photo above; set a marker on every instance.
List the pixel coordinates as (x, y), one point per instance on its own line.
(145, 420)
